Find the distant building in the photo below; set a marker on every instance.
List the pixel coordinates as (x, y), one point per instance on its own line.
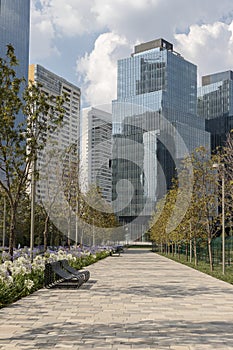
(155, 125)
(14, 30)
(96, 152)
(65, 137)
(215, 105)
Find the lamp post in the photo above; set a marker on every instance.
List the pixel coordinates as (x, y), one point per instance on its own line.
(218, 165)
(93, 232)
(4, 223)
(33, 196)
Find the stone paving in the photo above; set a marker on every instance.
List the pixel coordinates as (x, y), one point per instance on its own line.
(139, 300)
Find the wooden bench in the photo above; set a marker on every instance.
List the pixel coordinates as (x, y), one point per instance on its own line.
(57, 277)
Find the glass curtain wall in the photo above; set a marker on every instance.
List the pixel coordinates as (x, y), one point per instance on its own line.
(156, 91)
(215, 106)
(14, 23)
(14, 30)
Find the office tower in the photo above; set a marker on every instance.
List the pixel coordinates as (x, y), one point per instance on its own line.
(96, 151)
(14, 24)
(215, 105)
(59, 142)
(14, 30)
(155, 125)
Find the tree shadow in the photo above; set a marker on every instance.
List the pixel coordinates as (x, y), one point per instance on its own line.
(169, 290)
(155, 334)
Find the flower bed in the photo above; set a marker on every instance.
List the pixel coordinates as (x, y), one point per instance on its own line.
(20, 277)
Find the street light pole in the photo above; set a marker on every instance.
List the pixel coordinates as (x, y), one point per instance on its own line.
(223, 224)
(33, 195)
(4, 223)
(93, 233)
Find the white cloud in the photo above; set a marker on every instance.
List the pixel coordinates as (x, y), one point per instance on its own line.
(134, 19)
(57, 19)
(210, 47)
(149, 19)
(73, 17)
(42, 33)
(99, 68)
(201, 30)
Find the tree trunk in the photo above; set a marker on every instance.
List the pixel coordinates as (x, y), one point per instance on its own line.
(209, 238)
(186, 250)
(69, 228)
(190, 242)
(210, 254)
(46, 224)
(195, 251)
(209, 246)
(12, 231)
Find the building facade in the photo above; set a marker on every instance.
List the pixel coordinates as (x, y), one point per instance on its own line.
(60, 142)
(15, 25)
(14, 30)
(155, 125)
(215, 105)
(96, 151)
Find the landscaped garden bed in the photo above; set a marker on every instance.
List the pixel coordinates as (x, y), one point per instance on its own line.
(21, 277)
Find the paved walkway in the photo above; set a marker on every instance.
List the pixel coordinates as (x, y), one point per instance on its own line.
(136, 301)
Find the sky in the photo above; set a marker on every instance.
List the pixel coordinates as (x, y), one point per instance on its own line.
(81, 40)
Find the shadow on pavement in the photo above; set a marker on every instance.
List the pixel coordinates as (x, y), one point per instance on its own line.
(143, 334)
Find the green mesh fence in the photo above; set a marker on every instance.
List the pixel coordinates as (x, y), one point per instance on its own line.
(202, 250)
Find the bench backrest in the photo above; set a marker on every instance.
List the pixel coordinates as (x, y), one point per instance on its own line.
(56, 267)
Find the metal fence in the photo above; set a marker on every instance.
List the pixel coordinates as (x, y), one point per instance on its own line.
(202, 250)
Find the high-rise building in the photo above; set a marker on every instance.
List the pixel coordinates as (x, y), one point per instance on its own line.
(215, 105)
(61, 140)
(96, 151)
(155, 125)
(14, 30)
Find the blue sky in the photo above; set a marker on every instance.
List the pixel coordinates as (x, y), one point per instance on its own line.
(81, 40)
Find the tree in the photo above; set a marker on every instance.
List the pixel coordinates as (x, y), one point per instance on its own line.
(49, 202)
(227, 156)
(226, 159)
(198, 213)
(23, 222)
(203, 213)
(20, 142)
(97, 219)
(161, 217)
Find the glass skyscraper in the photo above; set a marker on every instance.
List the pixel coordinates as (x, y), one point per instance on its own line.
(155, 125)
(215, 105)
(14, 30)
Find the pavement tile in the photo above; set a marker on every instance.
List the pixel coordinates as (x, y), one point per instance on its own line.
(137, 301)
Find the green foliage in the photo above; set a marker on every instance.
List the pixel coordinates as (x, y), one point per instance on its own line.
(226, 160)
(24, 284)
(163, 213)
(21, 286)
(88, 259)
(198, 215)
(96, 214)
(20, 142)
